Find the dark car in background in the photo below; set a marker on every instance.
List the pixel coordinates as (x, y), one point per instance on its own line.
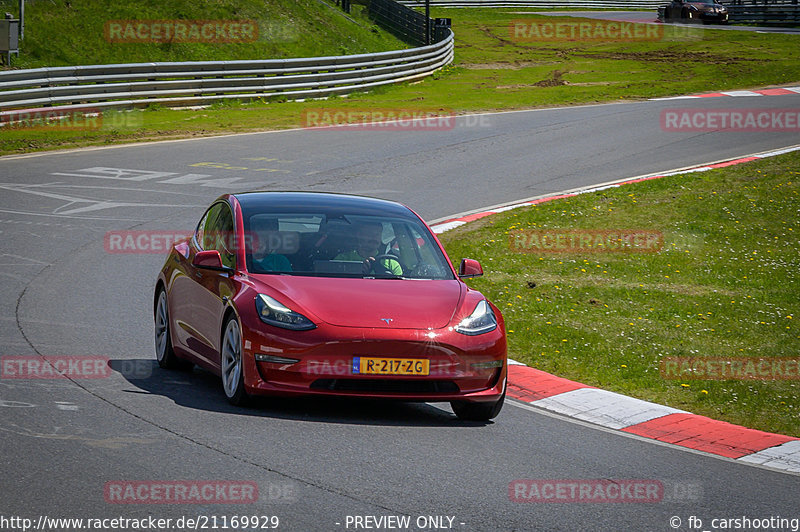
(705, 11)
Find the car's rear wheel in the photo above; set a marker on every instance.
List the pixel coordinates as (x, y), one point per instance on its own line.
(478, 411)
(231, 366)
(165, 355)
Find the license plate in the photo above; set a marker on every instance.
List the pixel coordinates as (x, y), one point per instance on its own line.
(390, 366)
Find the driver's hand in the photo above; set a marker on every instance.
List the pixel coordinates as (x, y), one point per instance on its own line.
(369, 262)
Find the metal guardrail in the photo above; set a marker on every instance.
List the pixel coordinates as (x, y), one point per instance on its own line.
(200, 82)
(765, 12)
(542, 4)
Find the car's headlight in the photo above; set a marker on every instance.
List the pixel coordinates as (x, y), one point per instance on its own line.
(274, 313)
(482, 320)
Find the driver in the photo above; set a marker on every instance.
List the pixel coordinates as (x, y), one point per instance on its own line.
(368, 241)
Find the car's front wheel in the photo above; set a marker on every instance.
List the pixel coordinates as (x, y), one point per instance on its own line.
(165, 355)
(469, 411)
(231, 366)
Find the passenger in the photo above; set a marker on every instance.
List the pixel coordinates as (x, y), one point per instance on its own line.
(267, 241)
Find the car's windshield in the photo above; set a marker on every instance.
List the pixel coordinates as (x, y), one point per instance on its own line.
(334, 244)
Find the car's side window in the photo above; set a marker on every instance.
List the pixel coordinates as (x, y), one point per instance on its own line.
(225, 240)
(215, 231)
(201, 229)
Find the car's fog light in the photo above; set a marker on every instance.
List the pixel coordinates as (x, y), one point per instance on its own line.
(275, 360)
(487, 365)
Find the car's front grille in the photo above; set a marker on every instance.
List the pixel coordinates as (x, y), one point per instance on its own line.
(385, 386)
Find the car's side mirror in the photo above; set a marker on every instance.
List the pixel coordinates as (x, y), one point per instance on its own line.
(209, 260)
(469, 268)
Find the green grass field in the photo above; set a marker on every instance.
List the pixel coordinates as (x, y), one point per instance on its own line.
(725, 285)
(65, 32)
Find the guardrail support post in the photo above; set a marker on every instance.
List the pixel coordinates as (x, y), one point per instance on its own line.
(427, 22)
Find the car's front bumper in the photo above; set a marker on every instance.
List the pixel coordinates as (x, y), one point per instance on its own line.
(461, 367)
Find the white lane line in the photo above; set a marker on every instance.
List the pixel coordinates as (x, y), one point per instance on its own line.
(673, 98)
(90, 204)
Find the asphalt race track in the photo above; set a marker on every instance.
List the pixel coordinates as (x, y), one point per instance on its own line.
(319, 464)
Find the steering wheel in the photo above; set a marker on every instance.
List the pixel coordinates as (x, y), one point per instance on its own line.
(383, 268)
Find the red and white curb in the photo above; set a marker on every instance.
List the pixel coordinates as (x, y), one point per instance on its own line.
(650, 420)
(635, 416)
(763, 92)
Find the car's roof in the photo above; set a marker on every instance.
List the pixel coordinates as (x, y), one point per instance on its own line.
(325, 201)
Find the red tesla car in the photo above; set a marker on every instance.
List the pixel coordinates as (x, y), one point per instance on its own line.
(291, 293)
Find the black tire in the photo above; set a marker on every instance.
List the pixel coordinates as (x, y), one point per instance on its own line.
(231, 365)
(165, 355)
(468, 411)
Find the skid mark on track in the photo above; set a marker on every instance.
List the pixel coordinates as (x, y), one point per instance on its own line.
(113, 442)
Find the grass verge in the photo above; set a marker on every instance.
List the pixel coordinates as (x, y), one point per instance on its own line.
(492, 71)
(724, 286)
(65, 32)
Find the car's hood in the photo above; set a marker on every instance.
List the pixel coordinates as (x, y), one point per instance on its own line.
(373, 303)
(704, 7)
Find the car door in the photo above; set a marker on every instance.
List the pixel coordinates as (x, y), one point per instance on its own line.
(206, 295)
